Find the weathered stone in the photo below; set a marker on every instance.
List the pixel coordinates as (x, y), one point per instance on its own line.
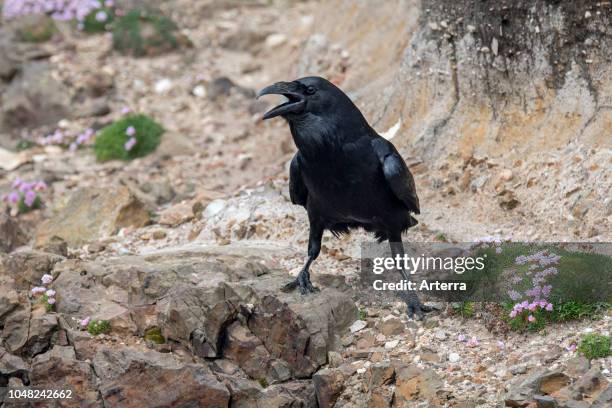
(391, 326)
(131, 378)
(244, 393)
(247, 351)
(289, 394)
(380, 374)
(328, 384)
(92, 213)
(12, 366)
(545, 401)
(42, 326)
(34, 98)
(177, 214)
(11, 234)
(577, 366)
(28, 266)
(58, 368)
(415, 383)
(16, 328)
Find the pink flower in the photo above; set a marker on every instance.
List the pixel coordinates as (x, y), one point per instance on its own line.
(473, 342)
(571, 348)
(38, 290)
(130, 131)
(50, 293)
(46, 279)
(129, 145)
(125, 110)
(101, 16)
(498, 250)
(85, 321)
(40, 186)
(13, 197)
(17, 182)
(513, 313)
(29, 198)
(531, 319)
(549, 307)
(51, 301)
(501, 344)
(461, 337)
(109, 3)
(533, 306)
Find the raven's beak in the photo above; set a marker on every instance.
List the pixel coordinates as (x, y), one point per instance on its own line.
(291, 91)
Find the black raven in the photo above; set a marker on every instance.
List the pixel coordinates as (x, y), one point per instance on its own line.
(344, 173)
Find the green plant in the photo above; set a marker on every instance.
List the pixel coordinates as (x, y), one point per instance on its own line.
(141, 33)
(440, 236)
(263, 382)
(96, 327)
(464, 309)
(362, 314)
(595, 345)
(154, 334)
(98, 20)
(37, 29)
(111, 142)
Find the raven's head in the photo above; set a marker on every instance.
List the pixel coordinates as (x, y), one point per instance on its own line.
(309, 96)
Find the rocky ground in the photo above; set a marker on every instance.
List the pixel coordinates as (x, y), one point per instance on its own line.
(191, 244)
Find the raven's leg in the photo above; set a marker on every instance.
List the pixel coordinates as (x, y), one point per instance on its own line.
(410, 297)
(314, 247)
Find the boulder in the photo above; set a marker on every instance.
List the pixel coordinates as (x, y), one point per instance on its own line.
(34, 98)
(28, 266)
(92, 213)
(134, 378)
(11, 234)
(412, 382)
(328, 384)
(58, 368)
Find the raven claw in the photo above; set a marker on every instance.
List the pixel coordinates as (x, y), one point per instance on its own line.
(302, 283)
(415, 307)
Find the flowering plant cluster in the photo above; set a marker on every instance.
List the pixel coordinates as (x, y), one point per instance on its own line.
(62, 10)
(24, 196)
(47, 295)
(59, 138)
(532, 306)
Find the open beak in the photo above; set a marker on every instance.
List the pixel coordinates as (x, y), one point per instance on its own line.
(290, 90)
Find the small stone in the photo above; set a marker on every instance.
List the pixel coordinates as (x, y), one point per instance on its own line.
(440, 335)
(390, 345)
(454, 357)
(544, 401)
(275, 40)
(434, 26)
(163, 85)
(471, 28)
(334, 359)
(358, 325)
(214, 208)
(159, 234)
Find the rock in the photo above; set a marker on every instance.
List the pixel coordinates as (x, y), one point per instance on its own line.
(34, 98)
(289, 394)
(28, 266)
(440, 335)
(244, 393)
(334, 359)
(390, 345)
(16, 327)
(57, 246)
(58, 368)
(15, 53)
(10, 161)
(275, 40)
(132, 378)
(223, 86)
(391, 326)
(12, 366)
(454, 358)
(507, 200)
(92, 213)
(380, 398)
(174, 145)
(177, 214)
(358, 325)
(545, 401)
(247, 351)
(412, 382)
(328, 385)
(244, 40)
(380, 374)
(11, 234)
(214, 208)
(42, 326)
(552, 382)
(540, 381)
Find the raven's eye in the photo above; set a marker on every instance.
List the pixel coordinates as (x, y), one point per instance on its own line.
(311, 90)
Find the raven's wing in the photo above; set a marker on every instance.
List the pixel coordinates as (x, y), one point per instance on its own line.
(297, 188)
(396, 173)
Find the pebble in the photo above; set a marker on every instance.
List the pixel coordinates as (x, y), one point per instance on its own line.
(163, 86)
(358, 325)
(454, 357)
(390, 345)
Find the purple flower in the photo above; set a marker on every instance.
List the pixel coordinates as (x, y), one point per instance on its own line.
(571, 348)
(46, 279)
(498, 250)
(513, 313)
(473, 342)
(130, 131)
(13, 197)
(531, 319)
(461, 337)
(51, 301)
(125, 110)
(40, 186)
(514, 295)
(50, 293)
(29, 198)
(130, 144)
(549, 307)
(101, 16)
(38, 290)
(109, 3)
(17, 182)
(85, 321)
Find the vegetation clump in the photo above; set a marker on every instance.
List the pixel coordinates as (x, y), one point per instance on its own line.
(96, 327)
(146, 33)
(98, 20)
(594, 345)
(128, 138)
(154, 335)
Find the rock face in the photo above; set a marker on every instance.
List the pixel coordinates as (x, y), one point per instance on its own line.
(130, 378)
(11, 234)
(93, 213)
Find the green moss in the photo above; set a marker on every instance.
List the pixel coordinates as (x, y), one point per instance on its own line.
(96, 327)
(110, 142)
(92, 25)
(145, 33)
(263, 382)
(37, 29)
(154, 334)
(595, 345)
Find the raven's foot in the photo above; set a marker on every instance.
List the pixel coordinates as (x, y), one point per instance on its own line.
(415, 307)
(302, 282)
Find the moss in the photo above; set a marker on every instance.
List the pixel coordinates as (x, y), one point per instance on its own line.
(92, 25)
(595, 345)
(145, 33)
(110, 142)
(154, 334)
(37, 29)
(96, 327)
(263, 382)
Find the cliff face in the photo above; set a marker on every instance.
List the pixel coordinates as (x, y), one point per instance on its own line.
(480, 77)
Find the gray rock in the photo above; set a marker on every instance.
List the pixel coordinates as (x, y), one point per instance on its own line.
(545, 401)
(11, 234)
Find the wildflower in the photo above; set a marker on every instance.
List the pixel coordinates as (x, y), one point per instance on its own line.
(513, 313)
(473, 342)
(129, 145)
(17, 182)
(501, 344)
(101, 16)
(125, 110)
(73, 146)
(130, 131)
(461, 337)
(85, 321)
(40, 186)
(13, 197)
(514, 295)
(29, 198)
(51, 301)
(38, 290)
(50, 293)
(531, 319)
(498, 250)
(533, 306)
(549, 307)
(109, 3)
(571, 348)
(46, 279)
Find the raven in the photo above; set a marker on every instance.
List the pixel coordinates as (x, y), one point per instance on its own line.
(344, 173)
